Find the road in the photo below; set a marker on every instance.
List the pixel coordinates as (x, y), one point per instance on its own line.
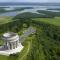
(28, 32)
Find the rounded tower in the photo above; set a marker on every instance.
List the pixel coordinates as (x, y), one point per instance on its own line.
(11, 40)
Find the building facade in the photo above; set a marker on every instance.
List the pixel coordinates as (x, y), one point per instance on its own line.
(11, 40)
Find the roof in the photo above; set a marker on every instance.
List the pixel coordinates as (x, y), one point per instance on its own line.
(9, 34)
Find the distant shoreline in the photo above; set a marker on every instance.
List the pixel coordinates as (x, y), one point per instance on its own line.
(27, 3)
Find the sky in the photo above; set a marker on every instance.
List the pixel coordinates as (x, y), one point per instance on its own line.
(29, 0)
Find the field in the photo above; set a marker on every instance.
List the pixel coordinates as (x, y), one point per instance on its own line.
(55, 21)
(4, 20)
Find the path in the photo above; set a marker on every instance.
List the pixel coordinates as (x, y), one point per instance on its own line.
(28, 32)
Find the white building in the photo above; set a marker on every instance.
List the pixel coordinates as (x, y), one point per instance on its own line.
(11, 44)
(11, 40)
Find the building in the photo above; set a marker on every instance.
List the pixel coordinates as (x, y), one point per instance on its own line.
(11, 40)
(11, 45)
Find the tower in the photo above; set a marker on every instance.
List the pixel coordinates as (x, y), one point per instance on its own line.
(11, 40)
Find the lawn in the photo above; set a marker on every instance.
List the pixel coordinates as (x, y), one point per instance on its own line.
(5, 19)
(55, 21)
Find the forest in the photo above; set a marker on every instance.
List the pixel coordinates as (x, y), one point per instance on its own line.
(43, 45)
(50, 13)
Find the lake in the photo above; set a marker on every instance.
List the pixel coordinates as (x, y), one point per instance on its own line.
(34, 10)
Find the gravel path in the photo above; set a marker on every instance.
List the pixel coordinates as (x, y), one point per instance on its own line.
(28, 32)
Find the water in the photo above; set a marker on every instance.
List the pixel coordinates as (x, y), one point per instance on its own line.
(53, 7)
(14, 13)
(9, 14)
(53, 10)
(34, 10)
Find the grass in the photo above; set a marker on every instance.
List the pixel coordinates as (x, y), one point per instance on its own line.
(1, 42)
(26, 50)
(55, 21)
(3, 57)
(5, 19)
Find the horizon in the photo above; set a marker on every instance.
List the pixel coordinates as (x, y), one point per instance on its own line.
(31, 1)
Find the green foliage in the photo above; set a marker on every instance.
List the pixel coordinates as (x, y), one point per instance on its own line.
(29, 15)
(50, 13)
(43, 45)
(54, 21)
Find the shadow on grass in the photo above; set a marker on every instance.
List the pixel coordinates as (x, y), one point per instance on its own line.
(13, 56)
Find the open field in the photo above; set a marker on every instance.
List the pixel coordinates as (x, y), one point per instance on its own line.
(5, 19)
(55, 21)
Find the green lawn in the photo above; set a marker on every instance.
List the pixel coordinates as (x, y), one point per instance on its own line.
(54, 21)
(1, 42)
(5, 19)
